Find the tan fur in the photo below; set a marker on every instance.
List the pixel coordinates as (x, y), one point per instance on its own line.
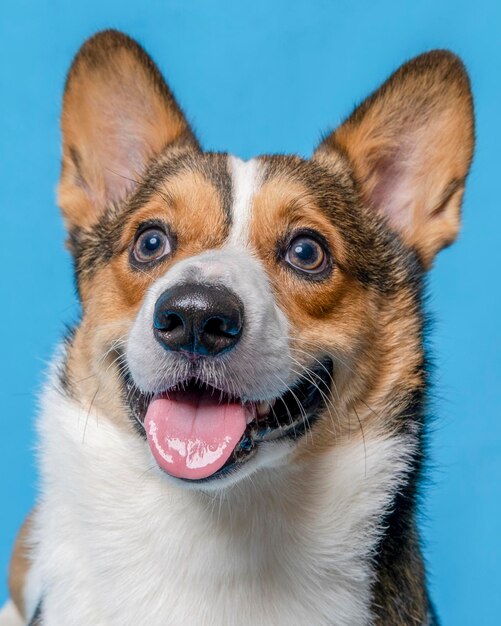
(20, 564)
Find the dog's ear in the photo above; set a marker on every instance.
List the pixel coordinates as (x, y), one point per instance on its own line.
(410, 145)
(118, 113)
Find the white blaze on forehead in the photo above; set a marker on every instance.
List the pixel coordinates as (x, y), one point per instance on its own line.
(245, 179)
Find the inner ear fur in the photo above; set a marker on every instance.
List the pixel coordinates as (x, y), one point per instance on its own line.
(118, 113)
(410, 145)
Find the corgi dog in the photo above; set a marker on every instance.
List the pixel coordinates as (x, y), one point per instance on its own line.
(234, 432)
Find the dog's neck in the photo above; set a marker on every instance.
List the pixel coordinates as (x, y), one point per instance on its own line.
(289, 545)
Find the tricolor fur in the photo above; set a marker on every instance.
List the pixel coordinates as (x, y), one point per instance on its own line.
(317, 527)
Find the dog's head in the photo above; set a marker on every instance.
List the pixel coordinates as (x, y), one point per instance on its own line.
(241, 314)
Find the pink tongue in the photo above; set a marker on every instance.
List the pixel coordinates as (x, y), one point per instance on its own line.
(191, 435)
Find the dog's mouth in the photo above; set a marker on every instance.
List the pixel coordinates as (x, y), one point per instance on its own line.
(198, 432)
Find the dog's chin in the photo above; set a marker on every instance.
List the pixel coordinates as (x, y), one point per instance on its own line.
(206, 438)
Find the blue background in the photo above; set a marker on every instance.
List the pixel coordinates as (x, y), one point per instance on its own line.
(268, 76)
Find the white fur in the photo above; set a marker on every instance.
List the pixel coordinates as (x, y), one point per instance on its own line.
(9, 615)
(120, 544)
(245, 177)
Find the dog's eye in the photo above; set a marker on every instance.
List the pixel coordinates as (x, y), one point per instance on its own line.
(151, 245)
(306, 254)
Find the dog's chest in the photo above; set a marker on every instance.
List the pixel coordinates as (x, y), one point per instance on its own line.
(159, 566)
(120, 545)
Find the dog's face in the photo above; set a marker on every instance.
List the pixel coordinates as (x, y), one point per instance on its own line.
(239, 314)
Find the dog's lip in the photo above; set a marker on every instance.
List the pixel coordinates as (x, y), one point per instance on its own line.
(287, 417)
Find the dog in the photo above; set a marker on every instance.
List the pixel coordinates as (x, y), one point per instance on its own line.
(235, 430)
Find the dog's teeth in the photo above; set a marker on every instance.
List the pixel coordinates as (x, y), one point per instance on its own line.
(263, 408)
(250, 413)
(260, 409)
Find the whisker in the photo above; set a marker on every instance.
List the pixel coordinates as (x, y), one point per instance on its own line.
(88, 414)
(308, 373)
(363, 439)
(344, 363)
(300, 406)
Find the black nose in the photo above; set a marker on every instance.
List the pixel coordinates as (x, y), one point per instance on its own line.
(201, 320)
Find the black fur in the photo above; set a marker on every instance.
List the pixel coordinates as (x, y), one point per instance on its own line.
(36, 620)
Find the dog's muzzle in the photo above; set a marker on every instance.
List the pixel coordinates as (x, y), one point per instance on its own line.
(208, 371)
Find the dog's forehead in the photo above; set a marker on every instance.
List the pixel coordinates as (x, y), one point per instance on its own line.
(235, 183)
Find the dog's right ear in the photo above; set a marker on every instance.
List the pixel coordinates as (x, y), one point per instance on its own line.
(118, 113)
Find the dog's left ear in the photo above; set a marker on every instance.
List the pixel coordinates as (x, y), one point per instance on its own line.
(410, 145)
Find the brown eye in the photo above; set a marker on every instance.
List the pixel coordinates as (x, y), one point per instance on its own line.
(306, 254)
(151, 245)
